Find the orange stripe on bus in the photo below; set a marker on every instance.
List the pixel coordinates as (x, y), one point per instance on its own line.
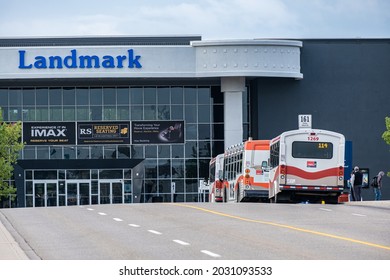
(262, 145)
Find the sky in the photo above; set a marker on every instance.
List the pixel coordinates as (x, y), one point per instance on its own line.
(211, 19)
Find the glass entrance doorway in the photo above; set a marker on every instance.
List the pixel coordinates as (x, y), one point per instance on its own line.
(45, 193)
(111, 192)
(78, 193)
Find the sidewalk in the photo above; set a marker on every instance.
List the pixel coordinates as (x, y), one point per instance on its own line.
(9, 248)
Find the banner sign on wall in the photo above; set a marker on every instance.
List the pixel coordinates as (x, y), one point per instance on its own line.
(103, 133)
(157, 132)
(49, 133)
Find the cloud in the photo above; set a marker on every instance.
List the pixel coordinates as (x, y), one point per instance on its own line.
(213, 19)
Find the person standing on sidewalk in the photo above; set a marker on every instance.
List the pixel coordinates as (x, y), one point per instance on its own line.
(377, 190)
(357, 181)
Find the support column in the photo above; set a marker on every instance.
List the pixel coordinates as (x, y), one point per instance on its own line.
(233, 87)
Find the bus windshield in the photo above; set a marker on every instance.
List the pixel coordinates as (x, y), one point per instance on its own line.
(320, 150)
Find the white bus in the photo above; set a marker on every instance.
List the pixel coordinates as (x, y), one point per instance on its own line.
(307, 165)
(246, 173)
(215, 174)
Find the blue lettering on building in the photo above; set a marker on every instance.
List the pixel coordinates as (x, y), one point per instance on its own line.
(129, 60)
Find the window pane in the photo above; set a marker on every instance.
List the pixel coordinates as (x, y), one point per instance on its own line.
(151, 151)
(137, 113)
(97, 152)
(43, 152)
(137, 152)
(96, 113)
(163, 95)
(55, 113)
(15, 96)
(42, 114)
(190, 114)
(177, 112)
(42, 96)
(96, 96)
(204, 113)
(69, 96)
(123, 113)
(150, 112)
(176, 95)
(69, 152)
(123, 95)
(69, 114)
(190, 95)
(82, 96)
(191, 132)
(177, 168)
(29, 114)
(163, 112)
(150, 168)
(204, 149)
(55, 96)
(109, 96)
(204, 95)
(55, 152)
(110, 152)
(3, 97)
(83, 153)
(150, 95)
(82, 113)
(204, 131)
(191, 149)
(123, 152)
(109, 113)
(191, 168)
(136, 95)
(164, 168)
(28, 96)
(177, 151)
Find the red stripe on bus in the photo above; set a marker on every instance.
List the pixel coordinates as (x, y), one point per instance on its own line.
(291, 170)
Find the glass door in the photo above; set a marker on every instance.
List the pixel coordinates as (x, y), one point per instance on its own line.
(84, 191)
(45, 193)
(51, 194)
(71, 194)
(105, 193)
(39, 194)
(117, 192)
(78, 193)
(111, 192)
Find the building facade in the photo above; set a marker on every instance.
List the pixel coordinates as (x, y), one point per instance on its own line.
(137, 119)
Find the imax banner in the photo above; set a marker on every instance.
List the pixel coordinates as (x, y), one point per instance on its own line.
(49, 133)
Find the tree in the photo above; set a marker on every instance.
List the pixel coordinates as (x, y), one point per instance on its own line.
(386, 135)
(10, 146)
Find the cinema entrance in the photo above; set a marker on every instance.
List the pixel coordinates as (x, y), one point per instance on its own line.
(57, 183)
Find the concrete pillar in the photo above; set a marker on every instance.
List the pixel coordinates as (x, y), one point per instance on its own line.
(233, 88)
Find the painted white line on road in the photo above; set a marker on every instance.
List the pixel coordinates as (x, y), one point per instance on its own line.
(211, 254)
(90, 209)
(359, 215)
(134, 225)
(181, 242)
(117, 219)
(101, 213)
(326, 209)
(154, 232)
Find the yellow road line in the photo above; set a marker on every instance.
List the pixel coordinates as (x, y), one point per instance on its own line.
(284, 226)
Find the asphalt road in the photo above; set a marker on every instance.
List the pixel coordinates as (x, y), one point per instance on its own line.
(204, 231)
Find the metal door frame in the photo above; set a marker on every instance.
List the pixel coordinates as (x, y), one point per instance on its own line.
(78, 182)
(45, 196)
(112, 181)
